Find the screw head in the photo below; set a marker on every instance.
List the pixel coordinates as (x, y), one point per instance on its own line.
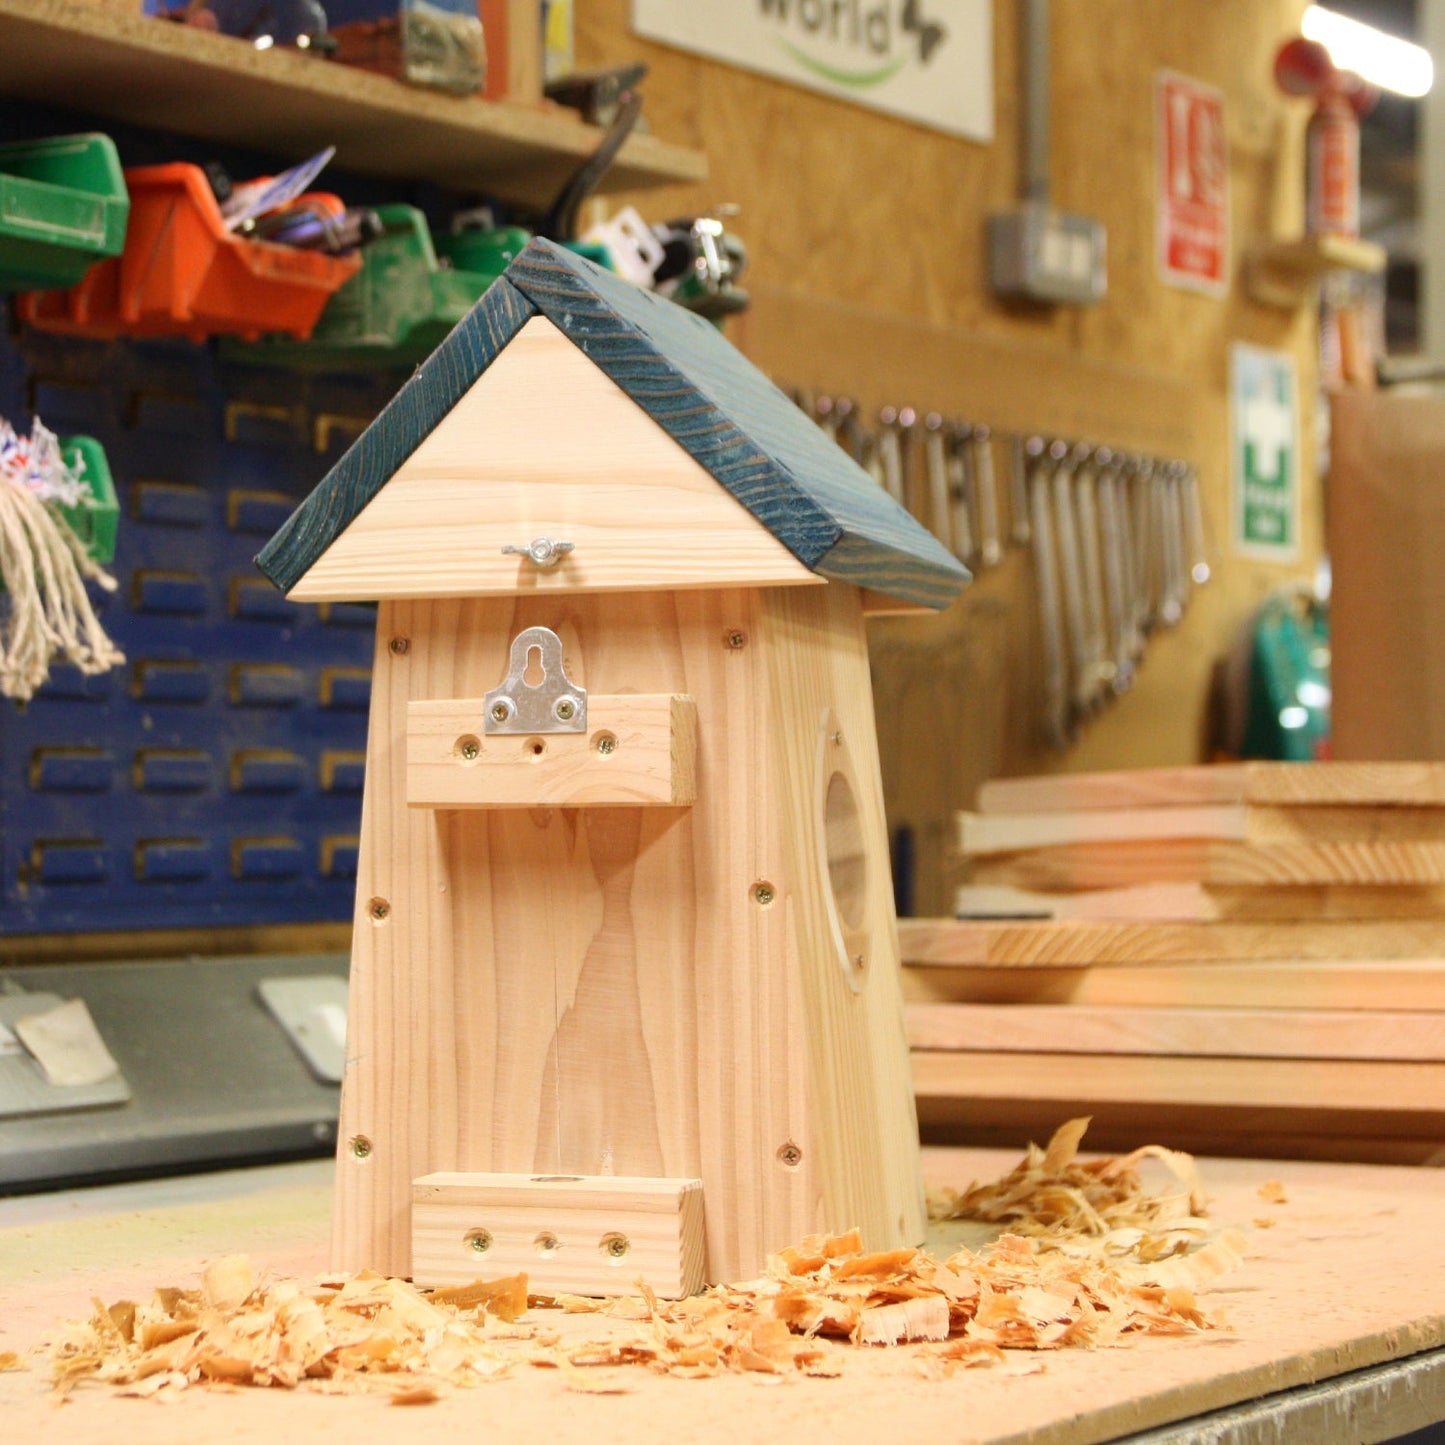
(380, 909)
(565, 708)
(501, 711)
(615, 1246)
(399, 645)
(763, 894)
(360, 1147)
(606, 744)
(479, 1241)
(736, 638)
(790, 1155)
(546, 1243)
(470, 749)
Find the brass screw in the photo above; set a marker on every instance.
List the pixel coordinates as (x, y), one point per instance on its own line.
(470, 749)
(615, 1246)
(399, 646)
(566, 709)
(545, 1243)
(479, 1241)
(361, 1147)
(790, 1156)
(500, 712)
(763, 894)
(606, 744)
(736, 639)
(380, 909)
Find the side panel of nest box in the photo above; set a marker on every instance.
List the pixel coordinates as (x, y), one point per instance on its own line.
(705, 991)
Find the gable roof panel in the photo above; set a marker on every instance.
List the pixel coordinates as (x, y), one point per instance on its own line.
(800, 485)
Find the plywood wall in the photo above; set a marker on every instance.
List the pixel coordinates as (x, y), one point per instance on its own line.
(868, 272)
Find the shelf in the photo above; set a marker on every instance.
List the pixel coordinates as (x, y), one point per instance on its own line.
(147, 72)
(1282, 273)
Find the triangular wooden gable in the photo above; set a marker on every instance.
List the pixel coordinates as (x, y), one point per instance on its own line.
(698, 389)
(545, 444)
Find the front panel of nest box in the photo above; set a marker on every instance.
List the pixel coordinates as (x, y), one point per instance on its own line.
(651, 938)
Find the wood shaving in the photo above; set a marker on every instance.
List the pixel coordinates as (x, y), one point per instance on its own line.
(9, 1360)
(1097, 1207)
(1272, 1192)
(1033, 1289)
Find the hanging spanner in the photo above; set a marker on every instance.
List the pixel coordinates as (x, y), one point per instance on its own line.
(1018, 490)
(935, 468)
(985, 494)
(960, 490)
(1038, 465)
(1066, 460)
(1112, 541)
(1092, 686)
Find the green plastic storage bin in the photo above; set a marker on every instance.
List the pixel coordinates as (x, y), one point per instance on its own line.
(94, 521)
(63, 206)
(394, 312)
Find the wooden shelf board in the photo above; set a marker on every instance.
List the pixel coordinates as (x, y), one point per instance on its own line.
(1281, 273)
(146, 72)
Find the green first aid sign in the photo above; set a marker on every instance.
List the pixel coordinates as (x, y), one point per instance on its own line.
(1264, 444)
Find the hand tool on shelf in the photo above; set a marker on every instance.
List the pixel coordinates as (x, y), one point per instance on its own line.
(1113, 545)
(1099, 667)
(893, 426)
(1066, 460)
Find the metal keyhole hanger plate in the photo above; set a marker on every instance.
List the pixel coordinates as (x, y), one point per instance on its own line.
(553, 704)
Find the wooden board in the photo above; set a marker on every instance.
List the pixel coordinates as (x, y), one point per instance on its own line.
(1332, 1288)
(1278, 1033)
(545, 444)
(1315, 1095)
(972, 941)
(1411, 784)
(567, 1234)
(1196, 902)
(1356, 984)
(1218, 864)
(636, 751)
(640, 991)
(981, 834)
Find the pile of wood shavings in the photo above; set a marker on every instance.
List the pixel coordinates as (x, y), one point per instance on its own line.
(367, 1332)
(1097, 1208)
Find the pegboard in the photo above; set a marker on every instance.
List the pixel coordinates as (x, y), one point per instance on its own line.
(215, 779)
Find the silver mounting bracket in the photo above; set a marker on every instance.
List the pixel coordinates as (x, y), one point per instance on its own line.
(553, 704)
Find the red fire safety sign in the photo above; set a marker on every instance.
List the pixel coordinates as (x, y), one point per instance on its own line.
(1193, 183)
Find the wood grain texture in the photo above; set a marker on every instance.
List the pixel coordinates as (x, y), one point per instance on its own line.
(544, 444)
(722, 410)
(699, 389)
(636, 751)
(1280, 1033)
(1224, 864)
(980, 834)
(405, 422)
(611, 990)
(1406, 983)
(567, 1234)
(1195, 902)
(1409, 784)
(1318, 1094)
(1001, 944)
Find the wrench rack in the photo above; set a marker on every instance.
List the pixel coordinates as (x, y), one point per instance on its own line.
(1117, 539)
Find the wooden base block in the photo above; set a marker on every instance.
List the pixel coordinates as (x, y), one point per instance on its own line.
(572, 1234)
(636, 751)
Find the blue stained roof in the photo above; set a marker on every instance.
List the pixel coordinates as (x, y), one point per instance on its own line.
(694, 383)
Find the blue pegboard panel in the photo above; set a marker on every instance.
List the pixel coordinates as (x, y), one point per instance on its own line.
(215, 780)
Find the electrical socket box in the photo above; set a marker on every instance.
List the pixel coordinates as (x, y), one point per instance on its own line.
(1039, 254)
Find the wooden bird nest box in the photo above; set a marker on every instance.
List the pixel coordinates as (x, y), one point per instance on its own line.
(624, 985)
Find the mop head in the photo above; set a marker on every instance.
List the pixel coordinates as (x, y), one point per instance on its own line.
(45, 611)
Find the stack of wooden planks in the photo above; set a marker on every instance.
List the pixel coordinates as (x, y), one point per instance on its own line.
(1245, 959)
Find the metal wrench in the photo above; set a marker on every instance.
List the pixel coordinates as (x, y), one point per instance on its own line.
(985, 495)
(935, 469)
(1038, 464)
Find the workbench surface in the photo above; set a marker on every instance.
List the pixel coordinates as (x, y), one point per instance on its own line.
(1338, 1318)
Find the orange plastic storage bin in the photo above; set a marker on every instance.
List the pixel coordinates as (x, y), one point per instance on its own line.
(182, 273)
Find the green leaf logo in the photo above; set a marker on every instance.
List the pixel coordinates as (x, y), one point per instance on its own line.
(853, 79)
